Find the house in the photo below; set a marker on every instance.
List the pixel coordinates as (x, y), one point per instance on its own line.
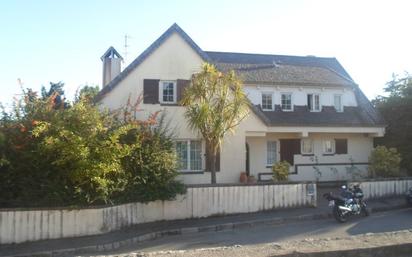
(306, 110)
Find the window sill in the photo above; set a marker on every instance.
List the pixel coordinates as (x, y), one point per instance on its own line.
(328, 154)
(308, 154)
(267, 110)
(269, 166)
(190, 172)
(169, 104)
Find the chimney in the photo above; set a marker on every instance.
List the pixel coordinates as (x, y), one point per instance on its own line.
(111, 65)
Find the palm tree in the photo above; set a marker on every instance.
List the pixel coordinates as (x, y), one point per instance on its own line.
(215, 104)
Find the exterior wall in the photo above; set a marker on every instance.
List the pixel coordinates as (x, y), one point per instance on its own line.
(299, 94)
(359, 148)
(17, 226)
(173, 60)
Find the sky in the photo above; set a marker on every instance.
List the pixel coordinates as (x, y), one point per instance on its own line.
(50, 41)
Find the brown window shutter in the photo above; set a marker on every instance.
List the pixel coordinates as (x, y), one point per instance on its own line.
(341, 146)
(150, 91)
(209, 163)
(181, 86)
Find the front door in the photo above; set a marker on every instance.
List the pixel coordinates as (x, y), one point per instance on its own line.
(288, 148)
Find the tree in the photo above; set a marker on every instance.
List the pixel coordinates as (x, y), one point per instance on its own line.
(215, 105)
(384, 162)
(87, 93)
(396, 108)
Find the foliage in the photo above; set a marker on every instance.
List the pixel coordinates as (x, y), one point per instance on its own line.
(281, 171)
(215, 104)
(396, 109)
(384, 162)
(87, 93)
(57, 154)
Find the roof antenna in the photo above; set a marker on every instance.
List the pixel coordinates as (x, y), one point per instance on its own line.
(126, 46)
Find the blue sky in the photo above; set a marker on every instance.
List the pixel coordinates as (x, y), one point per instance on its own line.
(44, 41)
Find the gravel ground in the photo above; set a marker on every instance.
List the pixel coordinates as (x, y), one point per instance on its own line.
(369, 240)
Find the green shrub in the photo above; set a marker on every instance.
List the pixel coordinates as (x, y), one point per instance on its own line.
(281, 171)
(384, 162)
(55, 153)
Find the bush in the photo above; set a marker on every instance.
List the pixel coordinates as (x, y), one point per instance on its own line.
(384, 162)
(281, 171)
(55, 153)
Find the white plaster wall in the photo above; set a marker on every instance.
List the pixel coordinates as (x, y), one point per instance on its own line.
(175, 59)
(299, 94)
(359, 148)
(18, 226)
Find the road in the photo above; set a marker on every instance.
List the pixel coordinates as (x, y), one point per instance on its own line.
(378, 222)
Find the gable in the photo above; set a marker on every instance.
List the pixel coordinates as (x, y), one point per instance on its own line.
(168, 37)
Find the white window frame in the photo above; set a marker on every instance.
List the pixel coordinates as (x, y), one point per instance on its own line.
(188, 144)
(161, 82)
(332, 141)
(302, 148)
(312, 108)
(291, 101)
(261, 99)
(341, 104)
(275, 159)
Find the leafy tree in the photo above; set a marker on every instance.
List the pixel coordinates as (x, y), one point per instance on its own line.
(81, 155)
(56, 90)
(215, 105)
(87, 92)
(384, 162)
(396, 109)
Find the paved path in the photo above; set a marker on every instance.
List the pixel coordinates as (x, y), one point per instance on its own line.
(376, 223)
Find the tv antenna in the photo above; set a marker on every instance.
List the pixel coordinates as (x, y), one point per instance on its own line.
(126, 46)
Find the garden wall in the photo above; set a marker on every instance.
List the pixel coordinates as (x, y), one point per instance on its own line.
(22, 225)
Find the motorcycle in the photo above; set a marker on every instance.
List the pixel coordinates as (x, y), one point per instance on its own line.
(348, 203)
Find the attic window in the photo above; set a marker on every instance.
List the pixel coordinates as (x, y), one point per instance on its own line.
(314, 102)
(286, 101)
(167, 92)
(267, 101)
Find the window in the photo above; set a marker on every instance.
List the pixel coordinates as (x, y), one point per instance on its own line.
(286, 102)
(341, 146)
(267, 103)
(271, 152)
(189, 155)
(167, 92)
(306, 146)
(328, 146)
(314, 102)
(337, 101)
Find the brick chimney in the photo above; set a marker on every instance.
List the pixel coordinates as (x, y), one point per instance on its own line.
(112, 61)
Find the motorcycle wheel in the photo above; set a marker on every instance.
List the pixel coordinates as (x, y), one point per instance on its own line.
(364, 211)
(338, 214)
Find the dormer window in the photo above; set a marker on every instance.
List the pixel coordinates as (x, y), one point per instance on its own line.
(267, 101)
(286, 101)
(167, 92)
(314, 102)
(337, 102)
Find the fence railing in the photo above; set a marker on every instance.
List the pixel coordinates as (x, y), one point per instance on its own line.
(380, 188)
(22, 225)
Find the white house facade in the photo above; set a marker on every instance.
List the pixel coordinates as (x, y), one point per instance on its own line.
(305, 110)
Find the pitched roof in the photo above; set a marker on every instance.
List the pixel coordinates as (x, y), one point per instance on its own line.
(146, 53)
(301, 116)
(247, 58)
(286, 74)
(277, 69)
